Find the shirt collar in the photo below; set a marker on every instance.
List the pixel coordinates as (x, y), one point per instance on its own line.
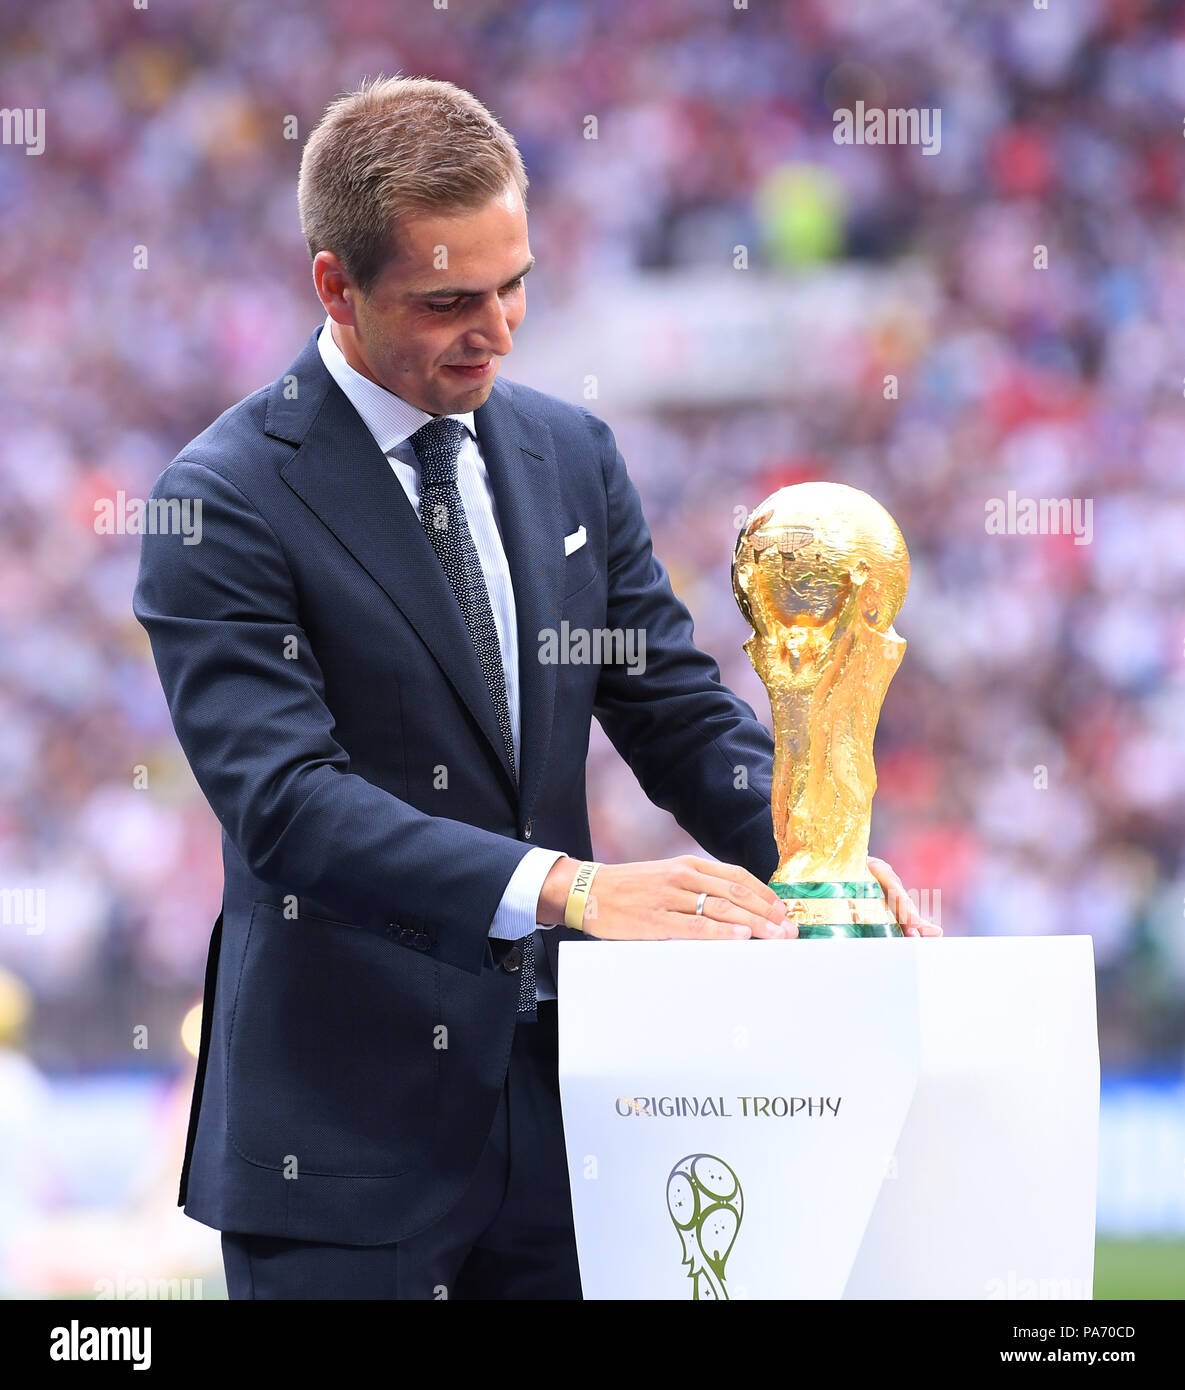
(387, 416)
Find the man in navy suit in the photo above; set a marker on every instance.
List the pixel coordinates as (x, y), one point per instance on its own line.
(354, 659)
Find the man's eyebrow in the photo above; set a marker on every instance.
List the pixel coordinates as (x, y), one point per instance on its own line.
(455, 293)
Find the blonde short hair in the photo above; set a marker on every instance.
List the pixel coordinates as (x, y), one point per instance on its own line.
(394, 148)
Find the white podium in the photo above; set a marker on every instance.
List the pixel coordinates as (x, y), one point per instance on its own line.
(831, 1119)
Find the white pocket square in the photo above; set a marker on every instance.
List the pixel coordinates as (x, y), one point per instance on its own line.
(575, 540)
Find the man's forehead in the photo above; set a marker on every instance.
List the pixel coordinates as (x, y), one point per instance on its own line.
(464, 275)
(471, 222)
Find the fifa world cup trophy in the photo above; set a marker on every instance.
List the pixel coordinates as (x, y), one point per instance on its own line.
(820, 573)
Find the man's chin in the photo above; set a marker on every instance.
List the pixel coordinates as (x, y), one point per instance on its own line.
(468, 397)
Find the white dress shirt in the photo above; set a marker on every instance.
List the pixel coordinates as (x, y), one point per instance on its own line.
(392, 421)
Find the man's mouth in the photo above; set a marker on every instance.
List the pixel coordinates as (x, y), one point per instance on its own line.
(472, 373)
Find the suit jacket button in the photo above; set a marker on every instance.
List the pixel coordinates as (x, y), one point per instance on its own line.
(527, 829)
(512, 960)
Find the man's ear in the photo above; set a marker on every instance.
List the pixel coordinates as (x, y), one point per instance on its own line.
(336, 291)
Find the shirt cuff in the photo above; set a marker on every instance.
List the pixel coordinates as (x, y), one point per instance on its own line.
(515, 917)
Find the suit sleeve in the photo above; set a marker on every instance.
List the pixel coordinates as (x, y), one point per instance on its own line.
(697, 750)
(223, 622)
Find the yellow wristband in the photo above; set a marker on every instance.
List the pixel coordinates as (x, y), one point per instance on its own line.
(578, 894)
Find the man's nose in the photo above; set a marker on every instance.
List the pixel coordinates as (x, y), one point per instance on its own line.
(494, 330)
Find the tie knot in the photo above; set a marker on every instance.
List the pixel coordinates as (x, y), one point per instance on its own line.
(437, 445)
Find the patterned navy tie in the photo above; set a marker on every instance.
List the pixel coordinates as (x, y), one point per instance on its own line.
(442, 513)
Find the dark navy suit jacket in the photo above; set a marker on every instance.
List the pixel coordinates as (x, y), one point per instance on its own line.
(357, 1024)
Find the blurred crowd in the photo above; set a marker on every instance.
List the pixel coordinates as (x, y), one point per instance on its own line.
(1029, 753)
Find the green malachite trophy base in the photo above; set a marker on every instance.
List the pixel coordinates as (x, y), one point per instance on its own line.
(846, 931)
(837, 931)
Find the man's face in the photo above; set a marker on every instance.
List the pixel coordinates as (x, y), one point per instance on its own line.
(442, 312)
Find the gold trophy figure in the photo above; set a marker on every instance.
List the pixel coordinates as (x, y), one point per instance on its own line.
(820, 572)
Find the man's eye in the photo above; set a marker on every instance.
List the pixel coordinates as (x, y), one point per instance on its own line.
(447, 306)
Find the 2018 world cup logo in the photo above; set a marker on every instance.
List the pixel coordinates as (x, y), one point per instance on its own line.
(705, 1201)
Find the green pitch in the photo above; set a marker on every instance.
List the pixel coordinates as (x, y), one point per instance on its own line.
(1139, 1269)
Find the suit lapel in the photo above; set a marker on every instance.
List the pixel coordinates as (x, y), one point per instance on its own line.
(343, 477)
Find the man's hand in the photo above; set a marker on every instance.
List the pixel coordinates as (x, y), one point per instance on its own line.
(908, 917)
(655, 900)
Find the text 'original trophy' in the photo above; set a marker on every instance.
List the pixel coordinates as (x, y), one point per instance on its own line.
(820, 572)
